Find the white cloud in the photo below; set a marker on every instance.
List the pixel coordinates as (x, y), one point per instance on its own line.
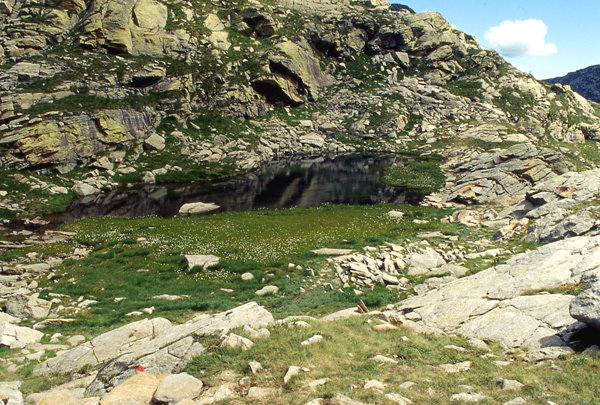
(520, 38)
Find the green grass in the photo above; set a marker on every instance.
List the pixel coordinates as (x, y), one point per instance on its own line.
(343, 356)
(424, 176)
(469, 89)
(35, 201)
(515, 101)
(259, 242)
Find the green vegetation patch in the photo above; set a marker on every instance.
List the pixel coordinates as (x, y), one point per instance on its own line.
(260, 242)
(515, 102)
(343, 358)
(424, 176)
(464, 88)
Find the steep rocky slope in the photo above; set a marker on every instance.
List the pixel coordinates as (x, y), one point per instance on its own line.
(584, 81)
(102, 83)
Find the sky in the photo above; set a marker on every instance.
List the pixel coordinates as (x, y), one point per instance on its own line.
(547, 38)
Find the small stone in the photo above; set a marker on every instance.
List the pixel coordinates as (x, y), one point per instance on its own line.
(398, 399)
(291, 373)
(384, 327)
(76, 340)
(383, 359)
(592, 351)
(376, 385)
(234, 341)
(507, 384)
(222, 394)
(456, 368)
(407, 384)
(255, 367)
(197, 208)
(204, 261)
(457, 348)
(516, 401)
(247, 276)
(270, 289)
(177, 387)
(466, 397)
(134, 314)
(312, 340)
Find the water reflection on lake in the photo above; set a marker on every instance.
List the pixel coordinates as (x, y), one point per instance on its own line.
(291, 183)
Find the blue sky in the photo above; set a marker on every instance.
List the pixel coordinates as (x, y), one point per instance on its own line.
(571, 41)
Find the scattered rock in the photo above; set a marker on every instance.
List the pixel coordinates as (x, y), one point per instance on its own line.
(456, 368)
(466, 397)
(398, 399)
(586, 306)
(234, 341)
(312, 340)
(204, 261)
(507, 384)
(516, 401)
(177, 387)
(291, 373)
(138, 390)
(10, 394)
(23, 306)
(197, 208)
(255, 367)
(270, 289)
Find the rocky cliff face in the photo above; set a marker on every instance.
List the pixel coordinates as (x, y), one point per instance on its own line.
(584, 81)
(89, 83)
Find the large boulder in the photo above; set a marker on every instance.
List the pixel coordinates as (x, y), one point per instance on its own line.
(17, 337)
(197, 208)
(497, 303)
(155, 346)
(10, 393)
(177, 387)
(204, 261)
(138, 390)
(586, 306)
(23, 306)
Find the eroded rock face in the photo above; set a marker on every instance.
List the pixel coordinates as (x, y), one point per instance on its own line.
(77, 138)
(493, 304)
(133, 26)
(315, 6)
(154, 345)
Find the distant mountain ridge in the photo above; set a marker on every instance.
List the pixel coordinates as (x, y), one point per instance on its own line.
(584, 81)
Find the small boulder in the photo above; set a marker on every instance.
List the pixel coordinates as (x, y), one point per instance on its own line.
(586, 306)
(466, 397)
(291, 373)
(204, 261)
(22, 306)
(177, 387)
(10, 393)
(312, 340)
(234, 341)
(84, 189)
(197, 208)
(17, 337)
(505, 384)
(154, 142)
(270, 289)
(138, 390)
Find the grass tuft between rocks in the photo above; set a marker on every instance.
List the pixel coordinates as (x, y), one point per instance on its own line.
(344, 358)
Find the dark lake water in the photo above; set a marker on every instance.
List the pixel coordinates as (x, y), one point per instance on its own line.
(352, 180)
